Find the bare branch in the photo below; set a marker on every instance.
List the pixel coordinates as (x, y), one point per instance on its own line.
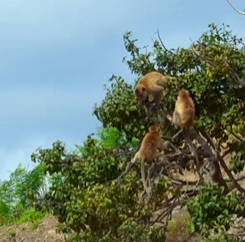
(216, 173)
(222, 163)
(237, 78)
(227, 152)
(237, 137)
(237, 10)
(158, 34)
(127, 170)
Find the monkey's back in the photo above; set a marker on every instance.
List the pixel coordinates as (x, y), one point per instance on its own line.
(186, 109)
(149, 146)
(153, 79)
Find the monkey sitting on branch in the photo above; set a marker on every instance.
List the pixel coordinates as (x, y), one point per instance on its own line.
(183, 117)
(152, 84)
(150, 143)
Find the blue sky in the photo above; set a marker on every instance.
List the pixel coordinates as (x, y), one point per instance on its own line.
(55, 56)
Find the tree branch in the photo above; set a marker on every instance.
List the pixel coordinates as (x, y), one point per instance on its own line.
(216, 173)
(158, 34)
(237, 10)
(234, 75)
(237, 78)
(222, 162)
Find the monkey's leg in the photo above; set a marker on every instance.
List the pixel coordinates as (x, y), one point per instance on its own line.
(147, 112)
(151, 182)
(149, 106)
(143, 176)
(191, 147)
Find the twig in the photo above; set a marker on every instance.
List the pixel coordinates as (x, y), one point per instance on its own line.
(228, 172)
(216, 174)
(208, 60)
(128, 168)
(163, 44)
(172, 206)
(237, 137)
(222, 163)
(177, 134)
(237, 78)
(237, 10)
(227, 152)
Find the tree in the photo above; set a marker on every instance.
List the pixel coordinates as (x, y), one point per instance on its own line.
(15, 192)
(86, 195)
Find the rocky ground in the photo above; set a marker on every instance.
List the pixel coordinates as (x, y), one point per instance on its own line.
(32, 232)
(45, 231)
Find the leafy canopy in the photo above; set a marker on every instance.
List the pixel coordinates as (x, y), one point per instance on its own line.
(84, 193)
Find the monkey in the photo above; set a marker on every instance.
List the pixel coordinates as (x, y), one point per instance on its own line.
(184, 112)
(153, 83)
(150, 143)
(146, 153)
(183, 117)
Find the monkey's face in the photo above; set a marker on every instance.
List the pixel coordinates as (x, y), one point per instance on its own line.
(141, 94)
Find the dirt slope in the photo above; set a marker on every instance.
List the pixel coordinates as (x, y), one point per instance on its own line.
(29, 232)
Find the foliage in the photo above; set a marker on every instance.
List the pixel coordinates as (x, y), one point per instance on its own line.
(14, 194)
(84, 193)
(212, 210)
(31, 215)
(119, 101)
(222, 237)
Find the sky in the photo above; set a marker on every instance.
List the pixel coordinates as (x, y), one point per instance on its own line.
(56, 55)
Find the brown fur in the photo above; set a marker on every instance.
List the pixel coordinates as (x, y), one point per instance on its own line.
(184, 112)
(150, 143)
(184, 115)
(153, 84)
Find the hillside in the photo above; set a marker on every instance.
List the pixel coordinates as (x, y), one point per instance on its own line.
(45, 231)
(31, 232)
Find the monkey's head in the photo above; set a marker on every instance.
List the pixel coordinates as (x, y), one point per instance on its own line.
(153, 128)
(183, 93)
(141, 93)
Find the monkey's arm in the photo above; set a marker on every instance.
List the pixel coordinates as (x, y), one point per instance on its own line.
(145, 102)
(176, 119)
(162, 145)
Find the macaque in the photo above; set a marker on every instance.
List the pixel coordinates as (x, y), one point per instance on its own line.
(152, 84)
(150, 143)
(183, 117)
